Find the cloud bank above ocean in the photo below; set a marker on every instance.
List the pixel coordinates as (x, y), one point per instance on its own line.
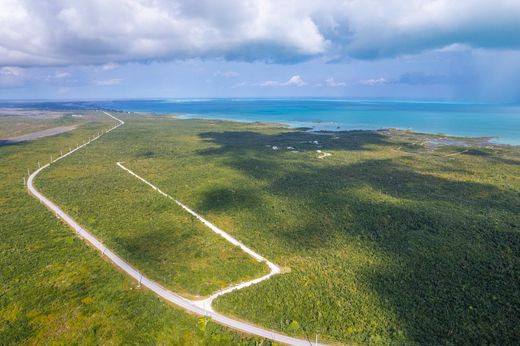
(59, 32)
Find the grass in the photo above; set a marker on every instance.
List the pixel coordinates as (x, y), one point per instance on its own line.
(56, 290)
(387, 241)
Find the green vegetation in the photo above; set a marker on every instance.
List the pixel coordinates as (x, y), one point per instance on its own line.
(389, 240)
(150, 231)
(56, 290)
(397, 238)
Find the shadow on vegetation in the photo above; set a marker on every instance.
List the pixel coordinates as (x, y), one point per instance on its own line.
(6, 142)
(221, 199)
(398, 181)
(239, 141)
(455, 245)
(145, 154)
(477, 152)
(492, 157)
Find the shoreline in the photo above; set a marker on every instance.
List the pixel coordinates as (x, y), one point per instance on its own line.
(467, 119)
(321, 127)
(442, 138)
(481, 140)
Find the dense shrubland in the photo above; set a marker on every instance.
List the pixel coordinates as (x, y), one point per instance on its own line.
(393, 239)
(56, 290)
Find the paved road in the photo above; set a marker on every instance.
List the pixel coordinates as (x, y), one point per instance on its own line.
(191, 306)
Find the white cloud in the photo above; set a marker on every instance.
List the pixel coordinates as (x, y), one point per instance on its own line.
(40, 32)
(331, 82)
(109, 66)
(11, 76)
(239, 85)
(109, 82)
(61, 75)
(374, 81)
(10, 71)
(61, 32)
(57, 76)
(270, 83)
(226, 74)
(295, 80)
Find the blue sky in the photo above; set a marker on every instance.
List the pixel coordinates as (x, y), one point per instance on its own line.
(419, 49)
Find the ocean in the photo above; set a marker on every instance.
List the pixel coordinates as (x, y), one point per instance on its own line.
(500, 121)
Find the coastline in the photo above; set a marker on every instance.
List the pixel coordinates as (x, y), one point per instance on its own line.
(437, 139)
(318, 128)
(455, 119)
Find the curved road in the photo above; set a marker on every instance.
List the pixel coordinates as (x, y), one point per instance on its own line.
(196, 307)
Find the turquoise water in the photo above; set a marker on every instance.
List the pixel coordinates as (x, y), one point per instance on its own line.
(461, 119)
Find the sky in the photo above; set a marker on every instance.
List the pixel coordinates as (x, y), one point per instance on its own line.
(465, 50)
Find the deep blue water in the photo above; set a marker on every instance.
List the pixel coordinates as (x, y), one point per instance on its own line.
(461, 119)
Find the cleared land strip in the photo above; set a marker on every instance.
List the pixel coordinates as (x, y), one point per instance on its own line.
(38, 134)
(206, 303)
(197, 307)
